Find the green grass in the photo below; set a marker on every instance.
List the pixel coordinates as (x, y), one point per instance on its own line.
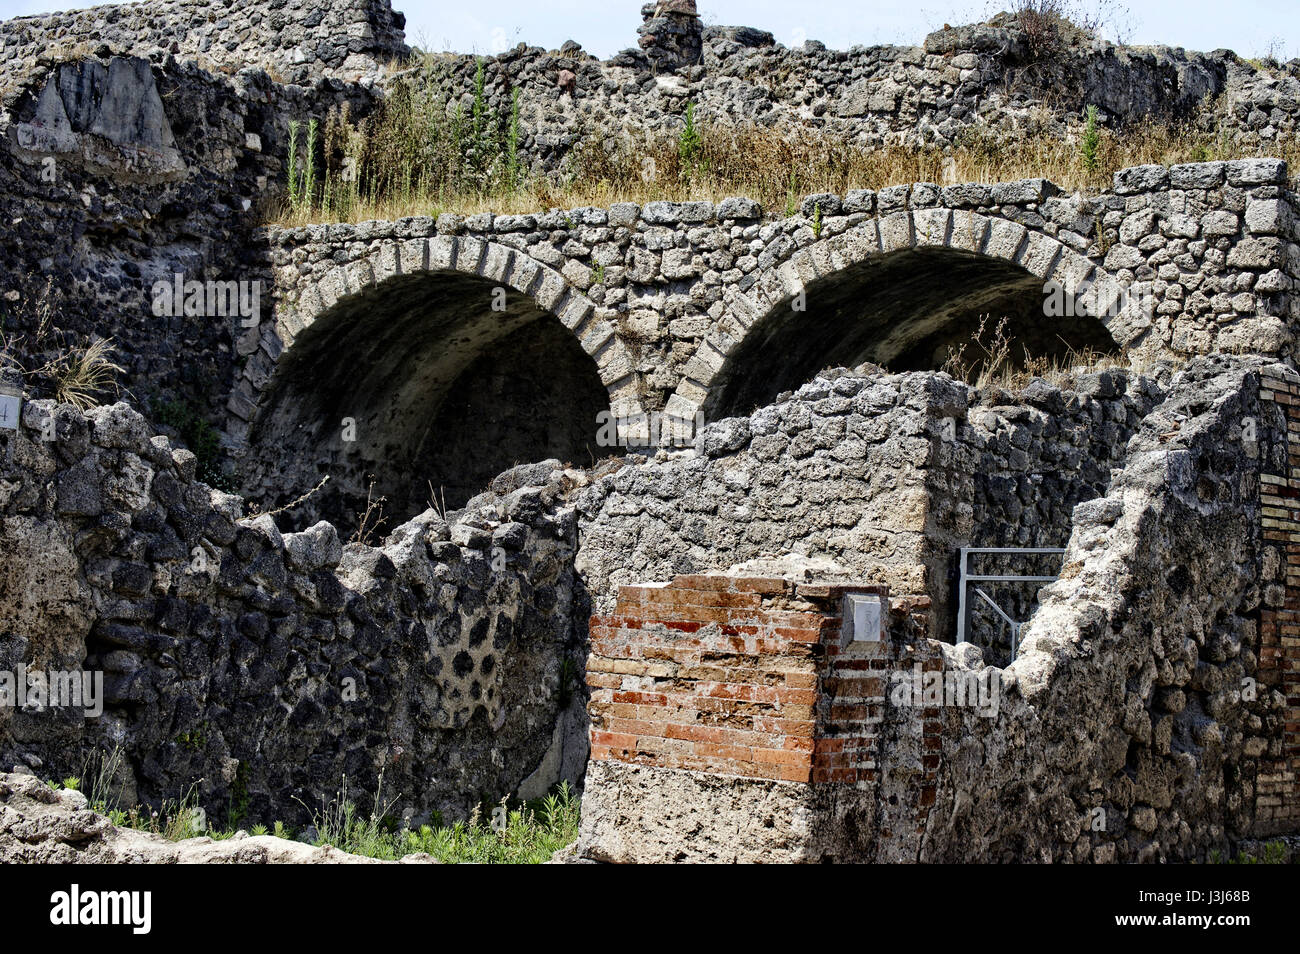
(528, 833)
(1274, 854)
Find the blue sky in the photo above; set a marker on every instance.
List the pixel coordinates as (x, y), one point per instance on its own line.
(1251, 27)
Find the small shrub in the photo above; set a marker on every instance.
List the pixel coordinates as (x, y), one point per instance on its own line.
(1043, 22)
(1090, 142)
(690, 145)
(513, 171)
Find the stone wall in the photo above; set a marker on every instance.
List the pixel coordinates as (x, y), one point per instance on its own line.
(264, 669)
(883, 476)
(1139, 722)
(298, 41)
(962, 83)
(119, 172)
(835, 473)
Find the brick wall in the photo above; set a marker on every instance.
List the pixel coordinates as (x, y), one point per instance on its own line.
(1277, 792)
(747, 676)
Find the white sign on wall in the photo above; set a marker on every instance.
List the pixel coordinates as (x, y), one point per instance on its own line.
(11, 405)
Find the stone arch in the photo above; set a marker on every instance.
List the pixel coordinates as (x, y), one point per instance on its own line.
(450, 345)
(943, 238)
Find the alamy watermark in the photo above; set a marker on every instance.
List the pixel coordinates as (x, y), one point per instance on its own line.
(656, 429)
(76, 906)
(41, 689)
(977, 689)
(1093, 300)
(211, 299)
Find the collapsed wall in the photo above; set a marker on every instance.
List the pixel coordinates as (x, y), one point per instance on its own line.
(1138, 723)
(263, 672)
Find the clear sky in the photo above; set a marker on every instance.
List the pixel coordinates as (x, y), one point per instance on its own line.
(1251, 27)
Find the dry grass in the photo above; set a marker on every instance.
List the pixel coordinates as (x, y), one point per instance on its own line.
(83, 373)
(775, 168)
(370, 519)
(254, 509)
(992, 362)
(74, 369)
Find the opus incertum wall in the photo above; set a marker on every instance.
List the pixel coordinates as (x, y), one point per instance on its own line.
(1149, 715)
(695, 307)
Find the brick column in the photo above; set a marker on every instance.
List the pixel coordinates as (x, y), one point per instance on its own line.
(1277, 788)
(747, 697)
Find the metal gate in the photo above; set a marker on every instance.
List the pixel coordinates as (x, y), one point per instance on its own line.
(968, 581)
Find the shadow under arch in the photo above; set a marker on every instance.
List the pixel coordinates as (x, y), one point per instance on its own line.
(904, 310)
(422, 386)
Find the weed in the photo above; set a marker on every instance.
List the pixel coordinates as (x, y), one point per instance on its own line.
(690, 146)
(529, 834)
(254, 508)
(994, 363)
(102, 769)
(82, 373)
(370, 519)
(1274, 854)
(438, 501)
(1090, 142)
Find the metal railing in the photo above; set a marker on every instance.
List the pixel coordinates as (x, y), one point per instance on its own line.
(966, 580)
